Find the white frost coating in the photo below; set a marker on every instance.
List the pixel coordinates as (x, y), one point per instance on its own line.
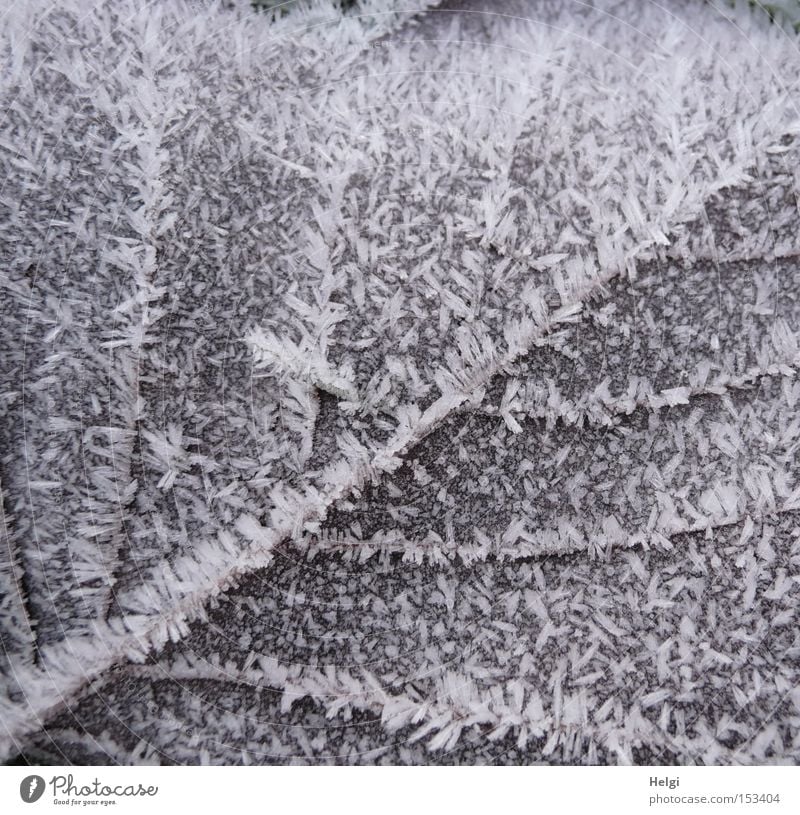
(268, 275)
(537, 657)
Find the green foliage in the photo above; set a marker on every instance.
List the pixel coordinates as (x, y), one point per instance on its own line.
(783, 12)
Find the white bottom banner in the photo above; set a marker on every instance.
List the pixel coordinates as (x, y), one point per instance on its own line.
(401, 790)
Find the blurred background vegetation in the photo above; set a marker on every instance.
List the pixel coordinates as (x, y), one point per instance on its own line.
(782, 12)
(284, 6)
(785, 12)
